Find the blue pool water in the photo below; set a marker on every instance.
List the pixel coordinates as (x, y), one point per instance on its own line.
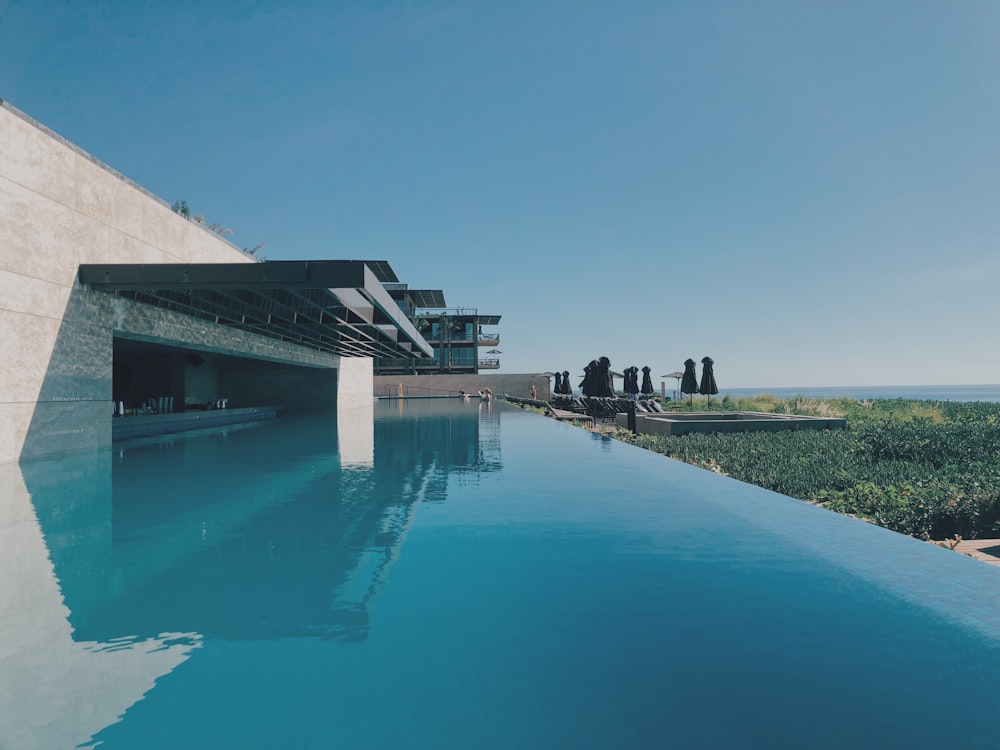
(446, 575)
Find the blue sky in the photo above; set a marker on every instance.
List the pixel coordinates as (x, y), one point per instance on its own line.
(807, 192)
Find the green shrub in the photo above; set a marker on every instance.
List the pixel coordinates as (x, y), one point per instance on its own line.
(928, 469)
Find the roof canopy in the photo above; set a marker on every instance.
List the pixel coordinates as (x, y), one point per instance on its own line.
(426, 298)
(337, 306)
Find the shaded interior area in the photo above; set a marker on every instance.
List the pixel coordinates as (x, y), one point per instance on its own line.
(158, 382)
(95, 371)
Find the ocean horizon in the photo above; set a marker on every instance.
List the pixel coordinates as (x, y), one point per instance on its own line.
(990, 393)
(916, 392)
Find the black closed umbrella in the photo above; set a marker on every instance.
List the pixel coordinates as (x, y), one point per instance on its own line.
(689, 381)
(558, 388)
(587, 385)
(603, 384)
(647, 382)
(631, 384)
(708, 386)
(567, 388)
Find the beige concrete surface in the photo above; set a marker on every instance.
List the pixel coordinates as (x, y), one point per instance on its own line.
(974, 548)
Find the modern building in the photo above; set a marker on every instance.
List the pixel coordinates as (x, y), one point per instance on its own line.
(464, 341)
(116, 311)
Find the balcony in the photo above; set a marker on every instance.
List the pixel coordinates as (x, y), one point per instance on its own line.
(488, 339)
(489, 364)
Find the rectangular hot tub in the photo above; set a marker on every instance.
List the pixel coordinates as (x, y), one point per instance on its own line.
(682, 423)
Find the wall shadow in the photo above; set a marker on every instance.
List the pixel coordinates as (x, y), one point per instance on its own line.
(73, 408)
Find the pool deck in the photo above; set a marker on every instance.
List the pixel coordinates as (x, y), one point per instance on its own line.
(974, 548)
(570, 416)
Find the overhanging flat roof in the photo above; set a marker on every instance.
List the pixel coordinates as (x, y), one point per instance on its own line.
(489, 320)
(426, 298)
(337, 306)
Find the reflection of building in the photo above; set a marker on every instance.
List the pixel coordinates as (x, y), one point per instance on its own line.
(57, 688)
(114, 302)
(464, 340)
(489, 438)
(119, 567)
(259, 533)
(453, 439)
(248, 533)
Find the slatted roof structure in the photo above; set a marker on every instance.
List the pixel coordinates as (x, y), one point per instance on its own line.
(426, 299)
(336, 306)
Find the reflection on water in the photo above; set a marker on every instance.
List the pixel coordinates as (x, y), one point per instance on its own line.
(58, 687)
(303, 583)
(118, 564)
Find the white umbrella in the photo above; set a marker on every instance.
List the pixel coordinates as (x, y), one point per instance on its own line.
(677, 375)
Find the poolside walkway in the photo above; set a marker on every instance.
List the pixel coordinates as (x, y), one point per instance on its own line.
(563, 415)
(974, 548)
(570, 416)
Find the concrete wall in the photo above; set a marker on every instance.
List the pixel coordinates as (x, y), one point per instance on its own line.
(60, 207)
(354, 384)
(443, 385)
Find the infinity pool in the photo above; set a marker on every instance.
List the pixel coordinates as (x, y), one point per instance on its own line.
(443, 574)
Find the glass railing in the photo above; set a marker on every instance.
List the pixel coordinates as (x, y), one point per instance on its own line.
(451, 312)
